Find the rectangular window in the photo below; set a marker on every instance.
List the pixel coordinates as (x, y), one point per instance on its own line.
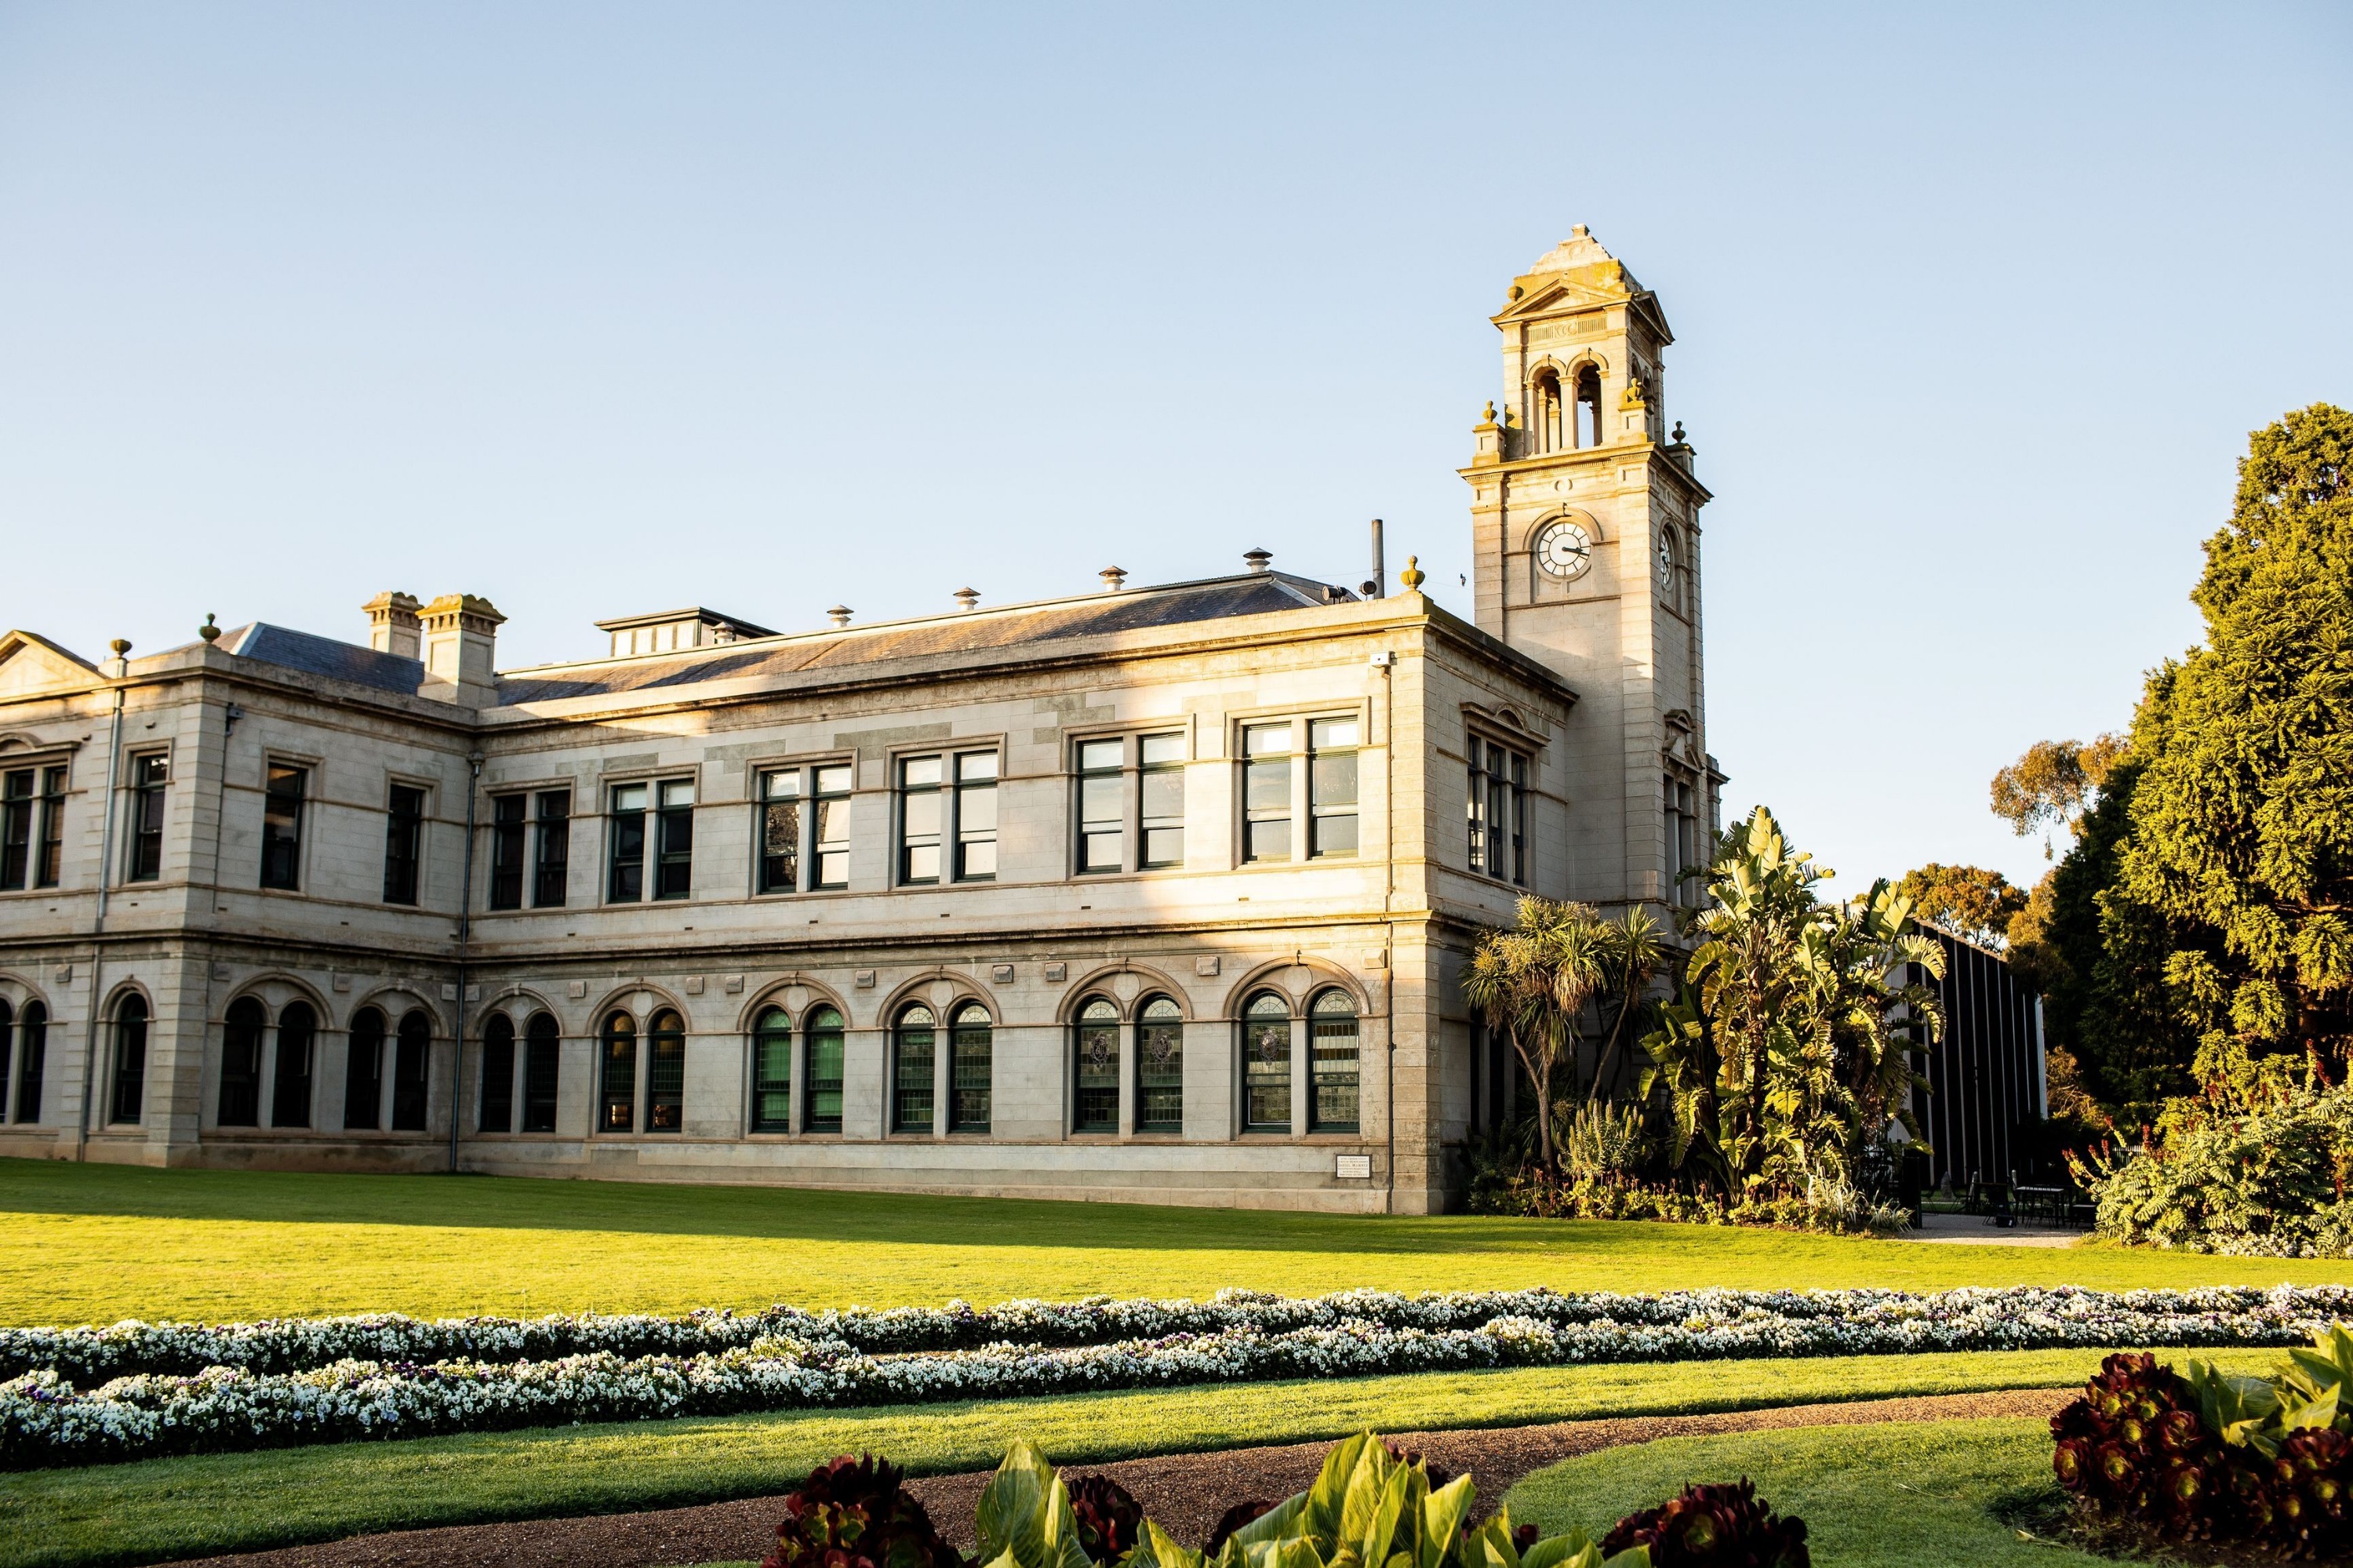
(281, 826)
(16, 828)
(780, 832)
(1682, 843)
(674, 848)
(831, 831)
(1163, 782)
(411, 1064)
(619, 1077)
(507, 829)
(1332, 788)
(552, 864)
(1102, 811)
(920, 807)
(404, 844)
(33, 1034)
(49, 852)
(626, 884)
(976, 816)
(1266, 792)
(148, 775)
(1498, 811)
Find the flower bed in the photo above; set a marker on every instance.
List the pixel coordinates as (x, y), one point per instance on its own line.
(298, 1381)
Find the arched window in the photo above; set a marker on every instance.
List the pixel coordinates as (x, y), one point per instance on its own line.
(666, 1073)
(240, 1079)
(1331, 1039)
(911, 1078)
(969, 1069)
(411, 1064)
(1545, 409)
(1588, 406)
(130, 1060)
(33, 1040)
(1160, 1067)
(7, 1017)
(772, 1072)
(1097, 1106)
(363, 1071)
(498, 1074)
(616, 1075)
(290, 1090)
(1266, 1064)
(821, 1092)
(542, 1068)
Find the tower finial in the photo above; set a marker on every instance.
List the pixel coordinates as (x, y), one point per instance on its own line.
(1413, 577)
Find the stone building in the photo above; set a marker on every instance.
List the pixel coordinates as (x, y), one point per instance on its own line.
(1157, 893)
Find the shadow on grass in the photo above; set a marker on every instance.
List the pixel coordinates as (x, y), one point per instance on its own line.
(57, 1188)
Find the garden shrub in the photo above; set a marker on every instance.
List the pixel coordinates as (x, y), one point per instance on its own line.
(2266, 1462)
(853, 1513)
(2253, 1172)
(1722, 1526)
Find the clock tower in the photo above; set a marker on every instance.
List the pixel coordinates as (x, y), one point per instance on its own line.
(1585, 521)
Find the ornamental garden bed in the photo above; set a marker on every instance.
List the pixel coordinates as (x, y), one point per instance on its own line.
(86, 1396)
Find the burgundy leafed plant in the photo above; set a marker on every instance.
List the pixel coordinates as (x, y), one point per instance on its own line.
(1233, 1518)
(853, 1513)
(1714, 1527)
(1109, 1522)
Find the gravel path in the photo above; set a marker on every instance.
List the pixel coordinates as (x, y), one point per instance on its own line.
(1184, 1492)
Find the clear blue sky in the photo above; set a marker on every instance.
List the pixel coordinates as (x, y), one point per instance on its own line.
(596, 310)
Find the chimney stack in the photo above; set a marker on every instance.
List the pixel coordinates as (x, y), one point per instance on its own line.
(392, 624)
(461, 650)
(1380, 571)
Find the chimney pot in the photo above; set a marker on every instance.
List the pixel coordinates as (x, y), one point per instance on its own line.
(1258, 560)
(1114, 579)
(460, 635)
(967, 599)
(838, 614)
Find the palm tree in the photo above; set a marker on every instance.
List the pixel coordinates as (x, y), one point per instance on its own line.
(1634, 951)
(1532, 982)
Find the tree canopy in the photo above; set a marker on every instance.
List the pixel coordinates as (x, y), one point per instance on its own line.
(1972, 903)
(2242, 818)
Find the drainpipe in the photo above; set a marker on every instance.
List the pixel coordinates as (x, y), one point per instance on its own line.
(122, 647)
(1387, 663)
(465, 933)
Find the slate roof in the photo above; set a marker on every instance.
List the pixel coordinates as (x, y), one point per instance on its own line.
(324, 656)
(970, 633)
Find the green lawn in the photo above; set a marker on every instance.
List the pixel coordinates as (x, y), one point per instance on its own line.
(1868, 1494)
(94, 1243)
(207, 1503)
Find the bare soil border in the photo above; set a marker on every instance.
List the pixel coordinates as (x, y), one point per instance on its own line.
(1185, 1492)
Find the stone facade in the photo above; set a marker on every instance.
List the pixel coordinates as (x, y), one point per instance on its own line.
(1155, 892)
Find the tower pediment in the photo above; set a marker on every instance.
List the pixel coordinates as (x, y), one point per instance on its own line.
(30, 663)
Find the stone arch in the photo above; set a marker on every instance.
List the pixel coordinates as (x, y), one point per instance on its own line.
(1322, 974)
(396, 1000)
(620, 999)
(1577, 514)
(963, 988)
(19, 988)
(773, 995)
(518, 1002)
(274, 989)
(1098, 981)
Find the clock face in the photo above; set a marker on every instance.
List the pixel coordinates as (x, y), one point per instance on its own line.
(1565, 550)
(1666, 561)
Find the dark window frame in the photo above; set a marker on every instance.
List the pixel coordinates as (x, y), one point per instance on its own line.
(494, 1106)
(1334, 1096)
(127, 1101)
(510, 829)
(1261, 770)
(284, 786)
(244, 1035)
(294, 1069)
(665, 1113)
(1159, 1074)
(364, 1042)
(543, 1073)
(616, 1075)
(1095, 1066)
(771, 1071)
(1100, 786)
(49, 851)
(1257, 1026)
(972, 1069)
(780, 818)
(18, 792)
(1329, 766)
(404, 844)
(412, 1072)
(909, 1036)
(151, 775)
(823, 1043)
(551, 849)
(673, 836)
(31, 1060)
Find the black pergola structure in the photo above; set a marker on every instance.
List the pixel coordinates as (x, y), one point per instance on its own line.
(1987, 1088)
